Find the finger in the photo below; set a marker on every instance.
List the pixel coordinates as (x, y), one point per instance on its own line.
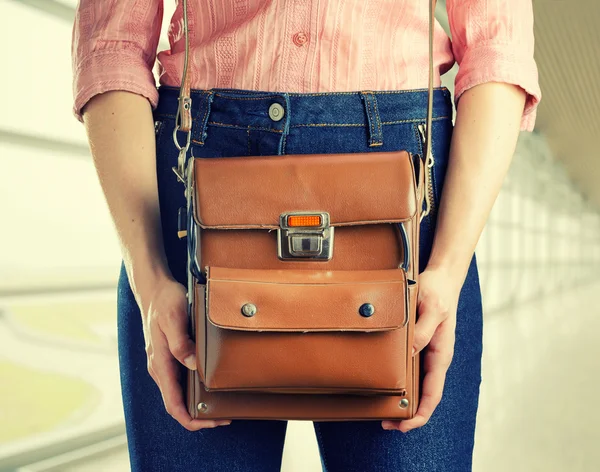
(174, 325)
(437, 360)
(443, 342)
(430, 316)
(433, 385)
(182, 417)
(166, 369)
(390, 424)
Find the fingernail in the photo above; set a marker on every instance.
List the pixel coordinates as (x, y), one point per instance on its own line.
(190, 362)
(385, 425)
(224, 423)
(414, 351)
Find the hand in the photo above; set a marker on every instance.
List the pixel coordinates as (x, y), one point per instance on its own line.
(437, 303)
(167, 344)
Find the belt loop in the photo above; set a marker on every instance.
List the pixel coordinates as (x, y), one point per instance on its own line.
(286, 124)
(373, 119)
(201, 116)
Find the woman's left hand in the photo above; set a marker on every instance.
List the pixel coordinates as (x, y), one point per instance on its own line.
(437, 303)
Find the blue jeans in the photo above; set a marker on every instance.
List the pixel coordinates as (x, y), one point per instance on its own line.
(237, 122)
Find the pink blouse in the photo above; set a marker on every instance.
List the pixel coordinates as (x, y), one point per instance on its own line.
(302, 46)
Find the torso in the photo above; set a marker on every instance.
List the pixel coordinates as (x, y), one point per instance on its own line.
(305, 45)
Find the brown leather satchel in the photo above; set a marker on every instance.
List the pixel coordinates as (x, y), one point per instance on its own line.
(302, 281)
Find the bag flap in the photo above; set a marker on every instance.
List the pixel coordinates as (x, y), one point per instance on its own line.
(355, 188)
(306, 300)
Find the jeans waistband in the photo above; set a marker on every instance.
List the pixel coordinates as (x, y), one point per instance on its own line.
(279, 111)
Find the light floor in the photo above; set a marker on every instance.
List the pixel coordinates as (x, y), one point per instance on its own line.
(539, 399)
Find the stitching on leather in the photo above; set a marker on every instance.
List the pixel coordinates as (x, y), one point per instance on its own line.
(273, 227)
(398, 327)
(206, 318)
(264, 282)
(342, 389)
(327, 329)
(205, 295)
(403, 282)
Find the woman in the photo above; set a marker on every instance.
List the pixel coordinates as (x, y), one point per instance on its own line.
(312, 57)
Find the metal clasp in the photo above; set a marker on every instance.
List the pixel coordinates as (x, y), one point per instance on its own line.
(305, 235)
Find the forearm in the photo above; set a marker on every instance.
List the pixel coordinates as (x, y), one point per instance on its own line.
(483, 143)
(120, 130)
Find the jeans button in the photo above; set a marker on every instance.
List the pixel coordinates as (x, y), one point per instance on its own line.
(276, 111)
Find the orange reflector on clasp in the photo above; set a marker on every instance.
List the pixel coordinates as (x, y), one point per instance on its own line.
(304, 220)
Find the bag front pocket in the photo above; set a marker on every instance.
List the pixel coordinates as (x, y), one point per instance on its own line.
(312, 331)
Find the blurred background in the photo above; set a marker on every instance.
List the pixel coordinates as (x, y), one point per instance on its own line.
(539, 256)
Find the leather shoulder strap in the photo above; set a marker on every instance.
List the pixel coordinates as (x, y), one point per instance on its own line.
(428, 150)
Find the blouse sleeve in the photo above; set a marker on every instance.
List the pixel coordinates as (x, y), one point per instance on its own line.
(113, 47)
(492, 41)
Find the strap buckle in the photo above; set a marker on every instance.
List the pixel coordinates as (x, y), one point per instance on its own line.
(184, 107)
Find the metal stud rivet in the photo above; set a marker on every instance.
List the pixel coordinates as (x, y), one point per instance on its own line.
(366, 309)
(403, 403)
(249, 309)
(202, 407)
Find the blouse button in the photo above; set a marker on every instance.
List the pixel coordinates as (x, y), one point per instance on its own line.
(300, 38)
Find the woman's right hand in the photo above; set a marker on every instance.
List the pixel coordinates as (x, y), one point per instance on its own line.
(164, 317)
(120, 128)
